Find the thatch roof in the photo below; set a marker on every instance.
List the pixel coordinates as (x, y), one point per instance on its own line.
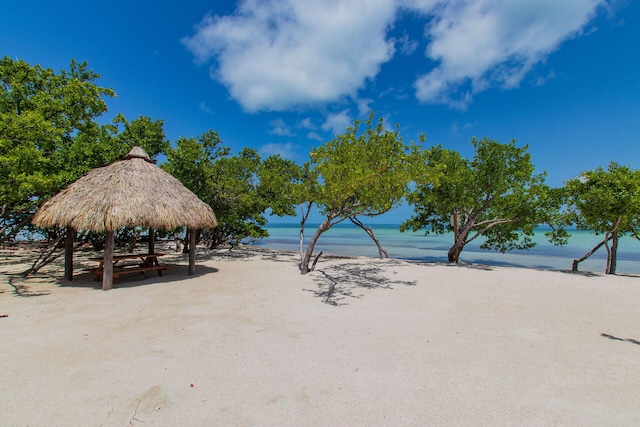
(127, 193)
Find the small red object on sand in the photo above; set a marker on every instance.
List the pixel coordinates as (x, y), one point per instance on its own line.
(4, 315)
(192, 385)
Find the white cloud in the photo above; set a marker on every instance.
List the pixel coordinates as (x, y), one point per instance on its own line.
(364, 107)
(407, 46)
(306, 123)
(278, 54)
(283, 54)
(315, 135)
(484, 43)
(287, 150)
(456, 129)
(337, 123)
(204, 108)
(279, 127)
(542, 80)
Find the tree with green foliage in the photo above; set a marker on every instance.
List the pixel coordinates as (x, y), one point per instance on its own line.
(104, 144)
(240, 188)
(279, 184)
(357, 174)
(495, 195)
(47, 121)
(606, 202)
(141, 132)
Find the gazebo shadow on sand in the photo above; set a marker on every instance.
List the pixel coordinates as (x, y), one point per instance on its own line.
(175, 274)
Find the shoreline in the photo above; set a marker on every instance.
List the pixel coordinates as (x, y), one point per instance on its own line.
(359, 341)
(350, 240)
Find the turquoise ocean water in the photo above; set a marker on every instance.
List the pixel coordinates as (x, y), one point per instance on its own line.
(347, 239)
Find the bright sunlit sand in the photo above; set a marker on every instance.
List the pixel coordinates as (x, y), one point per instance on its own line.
(361, 342)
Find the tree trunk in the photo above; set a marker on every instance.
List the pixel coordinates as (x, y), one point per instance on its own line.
(381, 252)
(15, 230)
(45, 257)
(303, 219)
(301, 242)
(454, 252)
(612, 260)
(459, 240)
(574, 265)
(304, 266)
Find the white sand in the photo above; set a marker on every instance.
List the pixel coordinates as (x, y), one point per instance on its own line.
(359, 342)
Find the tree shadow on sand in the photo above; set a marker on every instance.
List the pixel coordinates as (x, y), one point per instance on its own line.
(20, 287)
(611, 337)
(473, 266)
(336, 283)
(249, 252)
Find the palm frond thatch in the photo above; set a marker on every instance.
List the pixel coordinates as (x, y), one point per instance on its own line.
(131, 192)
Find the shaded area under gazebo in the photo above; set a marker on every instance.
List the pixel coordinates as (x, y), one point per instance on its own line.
(128, 193)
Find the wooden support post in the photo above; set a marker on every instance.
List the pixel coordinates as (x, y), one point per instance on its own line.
(192, 251)
(107, 272)
(152, 241)
(68, 253)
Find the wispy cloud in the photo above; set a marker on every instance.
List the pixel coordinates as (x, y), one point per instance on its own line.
(364, 107)
(407, 45)
(315, 135)
(456, 130)
(306, 123)
(337, 123)
(542, 80)
(279, 127)
(286, 150)
(203, 107)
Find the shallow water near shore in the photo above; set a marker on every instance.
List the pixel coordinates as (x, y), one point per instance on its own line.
(349, 240)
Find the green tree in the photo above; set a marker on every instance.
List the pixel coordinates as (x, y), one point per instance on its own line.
(496, 195)
(279, 185)
(47, 120)
(236, 199)
(357, 174)
(606, 202)
(141, 132)
(230, 184)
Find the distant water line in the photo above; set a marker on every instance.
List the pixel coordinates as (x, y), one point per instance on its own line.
(349, 240)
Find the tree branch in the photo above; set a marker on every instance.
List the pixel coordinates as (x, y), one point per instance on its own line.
(369, 231)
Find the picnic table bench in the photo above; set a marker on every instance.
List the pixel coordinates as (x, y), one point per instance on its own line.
(147, 262)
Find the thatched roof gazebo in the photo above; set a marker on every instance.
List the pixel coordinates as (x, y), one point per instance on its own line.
(130, 192)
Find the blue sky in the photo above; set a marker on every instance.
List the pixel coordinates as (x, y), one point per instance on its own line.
(285, 75)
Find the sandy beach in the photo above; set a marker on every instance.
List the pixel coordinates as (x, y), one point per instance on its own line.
(248, 341)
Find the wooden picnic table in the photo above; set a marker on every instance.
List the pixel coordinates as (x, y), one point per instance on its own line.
(146, 262)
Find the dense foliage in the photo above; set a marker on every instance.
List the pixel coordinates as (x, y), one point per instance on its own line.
(47, 121)
(49, 135)
(240, 188)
